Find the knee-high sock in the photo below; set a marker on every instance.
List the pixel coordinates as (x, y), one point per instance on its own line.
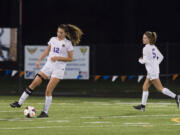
(145, 95)
(47, 104)
(25, 95)
(169, 93)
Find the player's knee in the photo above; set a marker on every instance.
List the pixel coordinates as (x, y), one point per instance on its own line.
(41, 78)
(48, 92)
(159, 89)
(145, 88)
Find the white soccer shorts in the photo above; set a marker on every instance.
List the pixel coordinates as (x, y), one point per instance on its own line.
(153, 76)
(53, 71)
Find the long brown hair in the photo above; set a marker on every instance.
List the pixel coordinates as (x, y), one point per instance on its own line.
(152, 36)
(73, 33)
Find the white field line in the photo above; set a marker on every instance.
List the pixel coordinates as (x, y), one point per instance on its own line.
(87, 117)
(10, 111)
(45, 127)
(3, 119)
(162, 103)
(178, 124)
(97, 122)
(138, 123)
(17, 119)
(96, 126)
(59, 121)
(132, 116)
(21, 120)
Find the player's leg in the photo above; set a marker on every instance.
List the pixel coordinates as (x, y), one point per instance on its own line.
(145, 92)
(38, 80)
(48, 99)
(28, 91)
(157, 84)
(145, 95)
(40, 77)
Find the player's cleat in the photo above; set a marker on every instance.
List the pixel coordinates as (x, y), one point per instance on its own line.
(140, 107)
(178, 100)
(42, 115)
(15, 104)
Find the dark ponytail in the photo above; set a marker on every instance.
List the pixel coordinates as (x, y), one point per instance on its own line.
(74, 33)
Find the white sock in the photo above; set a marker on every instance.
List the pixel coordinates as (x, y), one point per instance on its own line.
(145, 95)
(23, 97)
(169, 93)
(47, 104)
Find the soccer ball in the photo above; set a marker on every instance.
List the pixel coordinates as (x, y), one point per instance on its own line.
(29, 112)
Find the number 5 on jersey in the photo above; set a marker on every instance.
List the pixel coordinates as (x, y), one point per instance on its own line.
(154, 54)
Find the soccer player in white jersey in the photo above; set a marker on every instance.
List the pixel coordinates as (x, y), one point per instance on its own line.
(152, 57)
(59, 51)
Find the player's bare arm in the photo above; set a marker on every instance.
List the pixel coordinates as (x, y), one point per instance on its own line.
(69, 58)
(44, 54)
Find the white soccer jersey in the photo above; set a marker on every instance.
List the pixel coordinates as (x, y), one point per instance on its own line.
(59, 48)
(152, 57)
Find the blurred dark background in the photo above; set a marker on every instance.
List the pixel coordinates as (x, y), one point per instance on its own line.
(113, 29)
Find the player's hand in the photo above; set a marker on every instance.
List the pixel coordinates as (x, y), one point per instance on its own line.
(38, 64)
(54, 58)
(141, 60)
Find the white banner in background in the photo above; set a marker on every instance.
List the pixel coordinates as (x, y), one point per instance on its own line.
(77, 69)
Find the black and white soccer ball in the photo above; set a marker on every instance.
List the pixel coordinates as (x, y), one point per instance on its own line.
(29, 112)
